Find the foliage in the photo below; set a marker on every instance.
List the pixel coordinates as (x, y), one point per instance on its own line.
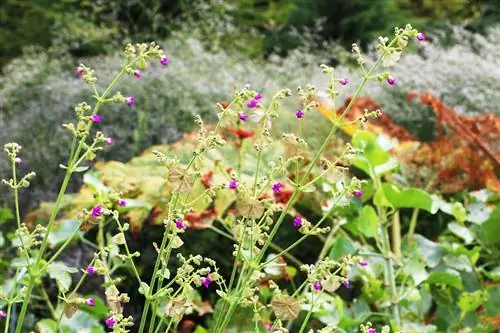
(251, 182)
(283, 166)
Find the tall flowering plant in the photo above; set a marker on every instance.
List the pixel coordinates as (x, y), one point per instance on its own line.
(253, 222)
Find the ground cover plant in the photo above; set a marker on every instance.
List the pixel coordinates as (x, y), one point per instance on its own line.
(267, 191)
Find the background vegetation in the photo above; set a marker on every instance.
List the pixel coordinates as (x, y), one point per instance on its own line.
(216, 46)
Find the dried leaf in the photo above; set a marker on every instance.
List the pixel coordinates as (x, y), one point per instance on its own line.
(250, 208)
(285, 307)
(180, 180)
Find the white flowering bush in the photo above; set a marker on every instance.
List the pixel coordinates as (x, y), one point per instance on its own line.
(463, 75)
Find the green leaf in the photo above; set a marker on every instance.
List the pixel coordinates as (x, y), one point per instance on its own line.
(62, 231)
(91, 179)
(374, 154)
(478, 213)
(490, 230)
(200, 329)
(61, 273)
(471, 301)
(82, 322)
(5, 215)
(416, 270)
(81, 168)
(144, 288)
(450, 278)
(409, 198)
(367, 221)
(461, 231)
(99, 310)
(341, 247)
(46, 326)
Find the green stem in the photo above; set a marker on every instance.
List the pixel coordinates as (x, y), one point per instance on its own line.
(396, 235)
(413, 225)
(317, 157)
(306, 319)
(7, 321)
(47, 300)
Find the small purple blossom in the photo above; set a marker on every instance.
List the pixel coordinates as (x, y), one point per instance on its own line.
(277, 187)
(317, 286)
(3, 314)
(96, 118)
(358, 193)
(91, 270)
(90, 301)
(179, 224)
(130, 100)
(137, 73)
(122, 304)
(109, 141)
(421, 36)
(297, 221)
(268, 326)
(110, 322)
(363, 263)
(346, 283)
(391, 80)
(243, 117)
(233, 184)
(253, 103)
(97, 210)
(205, 281)
(371, 330)
(79, 71)
(122, 203)
(344, 81)
(18, 160)
(299, 113)
(164, 60)
(258, 97)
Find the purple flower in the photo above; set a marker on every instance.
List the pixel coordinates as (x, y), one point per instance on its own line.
(122, 203)
(297, 221)
(421, 36)
(96, 118)
(109, 141)
(130, 100)
(79, 71)
(371, 330)
(90, 301)
(3, 314)
(277, 187)
(110, 322)
(268, 326)
(164, 60)
(346, 283)
(137, 73)
(233, 184)
(391, 80)
(344, 81)
(358, 193)
(179, 224)
(205, 281)
(91, 270)
(243, 117)
(317, 286)
(253, 103)
(299, 114)
(363, 263)
(258, 97)
(18, 160)
(97, 210)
